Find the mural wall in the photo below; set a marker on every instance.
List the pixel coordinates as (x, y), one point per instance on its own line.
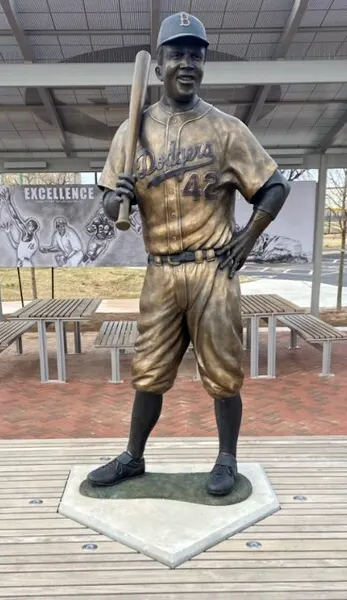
(65, 226)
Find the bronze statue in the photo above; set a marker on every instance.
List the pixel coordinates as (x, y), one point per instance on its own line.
(191, 158)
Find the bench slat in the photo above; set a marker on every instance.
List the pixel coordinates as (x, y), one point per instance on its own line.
(311, 328)
(121, 334)
(10, 331)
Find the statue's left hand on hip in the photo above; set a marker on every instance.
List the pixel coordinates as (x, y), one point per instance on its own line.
(237, 251)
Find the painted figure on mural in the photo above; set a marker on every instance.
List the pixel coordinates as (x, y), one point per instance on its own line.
(25, 241)
(191, 159)
(102, 231)
(65, 244)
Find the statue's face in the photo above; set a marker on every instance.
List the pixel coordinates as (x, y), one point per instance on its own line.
(181, 69)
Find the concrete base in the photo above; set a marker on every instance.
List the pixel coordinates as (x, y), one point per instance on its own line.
(169, 531)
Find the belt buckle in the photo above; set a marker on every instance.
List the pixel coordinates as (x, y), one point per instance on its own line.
(199, 256)
(172, 263)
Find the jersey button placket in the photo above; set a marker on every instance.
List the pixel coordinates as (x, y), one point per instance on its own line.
(172, 191)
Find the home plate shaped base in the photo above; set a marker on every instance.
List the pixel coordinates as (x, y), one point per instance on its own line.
(169, 531)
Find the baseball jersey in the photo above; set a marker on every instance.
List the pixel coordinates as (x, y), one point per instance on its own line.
(26, 249)
(189, 165)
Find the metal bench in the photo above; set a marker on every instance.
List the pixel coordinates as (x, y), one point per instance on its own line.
(12, 332)
(116, 335)
(314, 331)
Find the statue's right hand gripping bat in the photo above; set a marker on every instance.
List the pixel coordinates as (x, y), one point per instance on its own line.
(137, 101)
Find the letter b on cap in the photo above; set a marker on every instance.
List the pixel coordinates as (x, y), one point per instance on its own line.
(184, 20)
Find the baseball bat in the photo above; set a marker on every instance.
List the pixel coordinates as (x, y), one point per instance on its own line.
(137, 101)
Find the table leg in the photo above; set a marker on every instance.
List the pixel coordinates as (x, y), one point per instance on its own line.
(254, 346)
(77, 337)
(61, 363)
(326, 361)
(115, 366)
(248, 334)
(271, 348)
(41, 327)
(65, 338)
(19, 345)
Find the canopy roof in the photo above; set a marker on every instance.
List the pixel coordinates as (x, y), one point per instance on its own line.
(72, 126)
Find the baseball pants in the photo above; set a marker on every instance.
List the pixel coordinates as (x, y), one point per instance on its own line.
(189, 302)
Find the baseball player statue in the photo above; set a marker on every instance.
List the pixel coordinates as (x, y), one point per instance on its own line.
(191, 158)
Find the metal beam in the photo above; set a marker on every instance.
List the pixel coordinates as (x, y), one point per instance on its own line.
(73, 75)
(141, 32)
(294, 20)
(329, 137)
(45, 95)
(87, 160)
(122, 108)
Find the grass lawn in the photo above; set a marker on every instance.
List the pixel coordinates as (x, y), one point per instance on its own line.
(332, 241)
(102, 282)
(73, 283)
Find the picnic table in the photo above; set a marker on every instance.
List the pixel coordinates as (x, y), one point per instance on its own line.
(58, 312)
(264, 306)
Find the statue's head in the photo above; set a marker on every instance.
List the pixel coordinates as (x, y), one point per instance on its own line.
(181, 54)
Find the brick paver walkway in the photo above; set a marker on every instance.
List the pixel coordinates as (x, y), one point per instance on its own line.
(298, 402)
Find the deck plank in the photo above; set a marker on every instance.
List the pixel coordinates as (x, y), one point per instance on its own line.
(304, 546)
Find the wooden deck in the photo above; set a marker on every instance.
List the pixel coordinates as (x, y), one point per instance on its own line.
(303, 553)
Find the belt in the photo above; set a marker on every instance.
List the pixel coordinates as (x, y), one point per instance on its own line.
(189, 256)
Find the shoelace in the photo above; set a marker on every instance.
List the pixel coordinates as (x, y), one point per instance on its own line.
(218, 471)
(119, 466)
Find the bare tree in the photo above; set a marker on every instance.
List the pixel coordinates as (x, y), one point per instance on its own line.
(336, 197)
(40, 178)
(293, 174)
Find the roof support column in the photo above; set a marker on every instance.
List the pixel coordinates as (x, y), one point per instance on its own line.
(318, 235)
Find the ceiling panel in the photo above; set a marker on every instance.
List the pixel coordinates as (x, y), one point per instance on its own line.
(330, 36)
(261, 51)
(297, 51)
(47, 53)
(240, 19)
(272, 19)
(342, 51)
(339, 4)
(4, 24)
(238, 50)
(106, 40)
(211, 19)
(31, 6)
(323, 49)
(104, 21)
(303, 37)
(71, 51)
(134, 5)
(101, 5)
(11, 54)
(173, 6)
(134, 20)
(66, 6)
(43, 40)
(319, 4)
(277, 5)
(70, 20)
(234, 38)
(251, 5)
(265, 38)
(313, 18)
(36, 20)
(336, 17)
